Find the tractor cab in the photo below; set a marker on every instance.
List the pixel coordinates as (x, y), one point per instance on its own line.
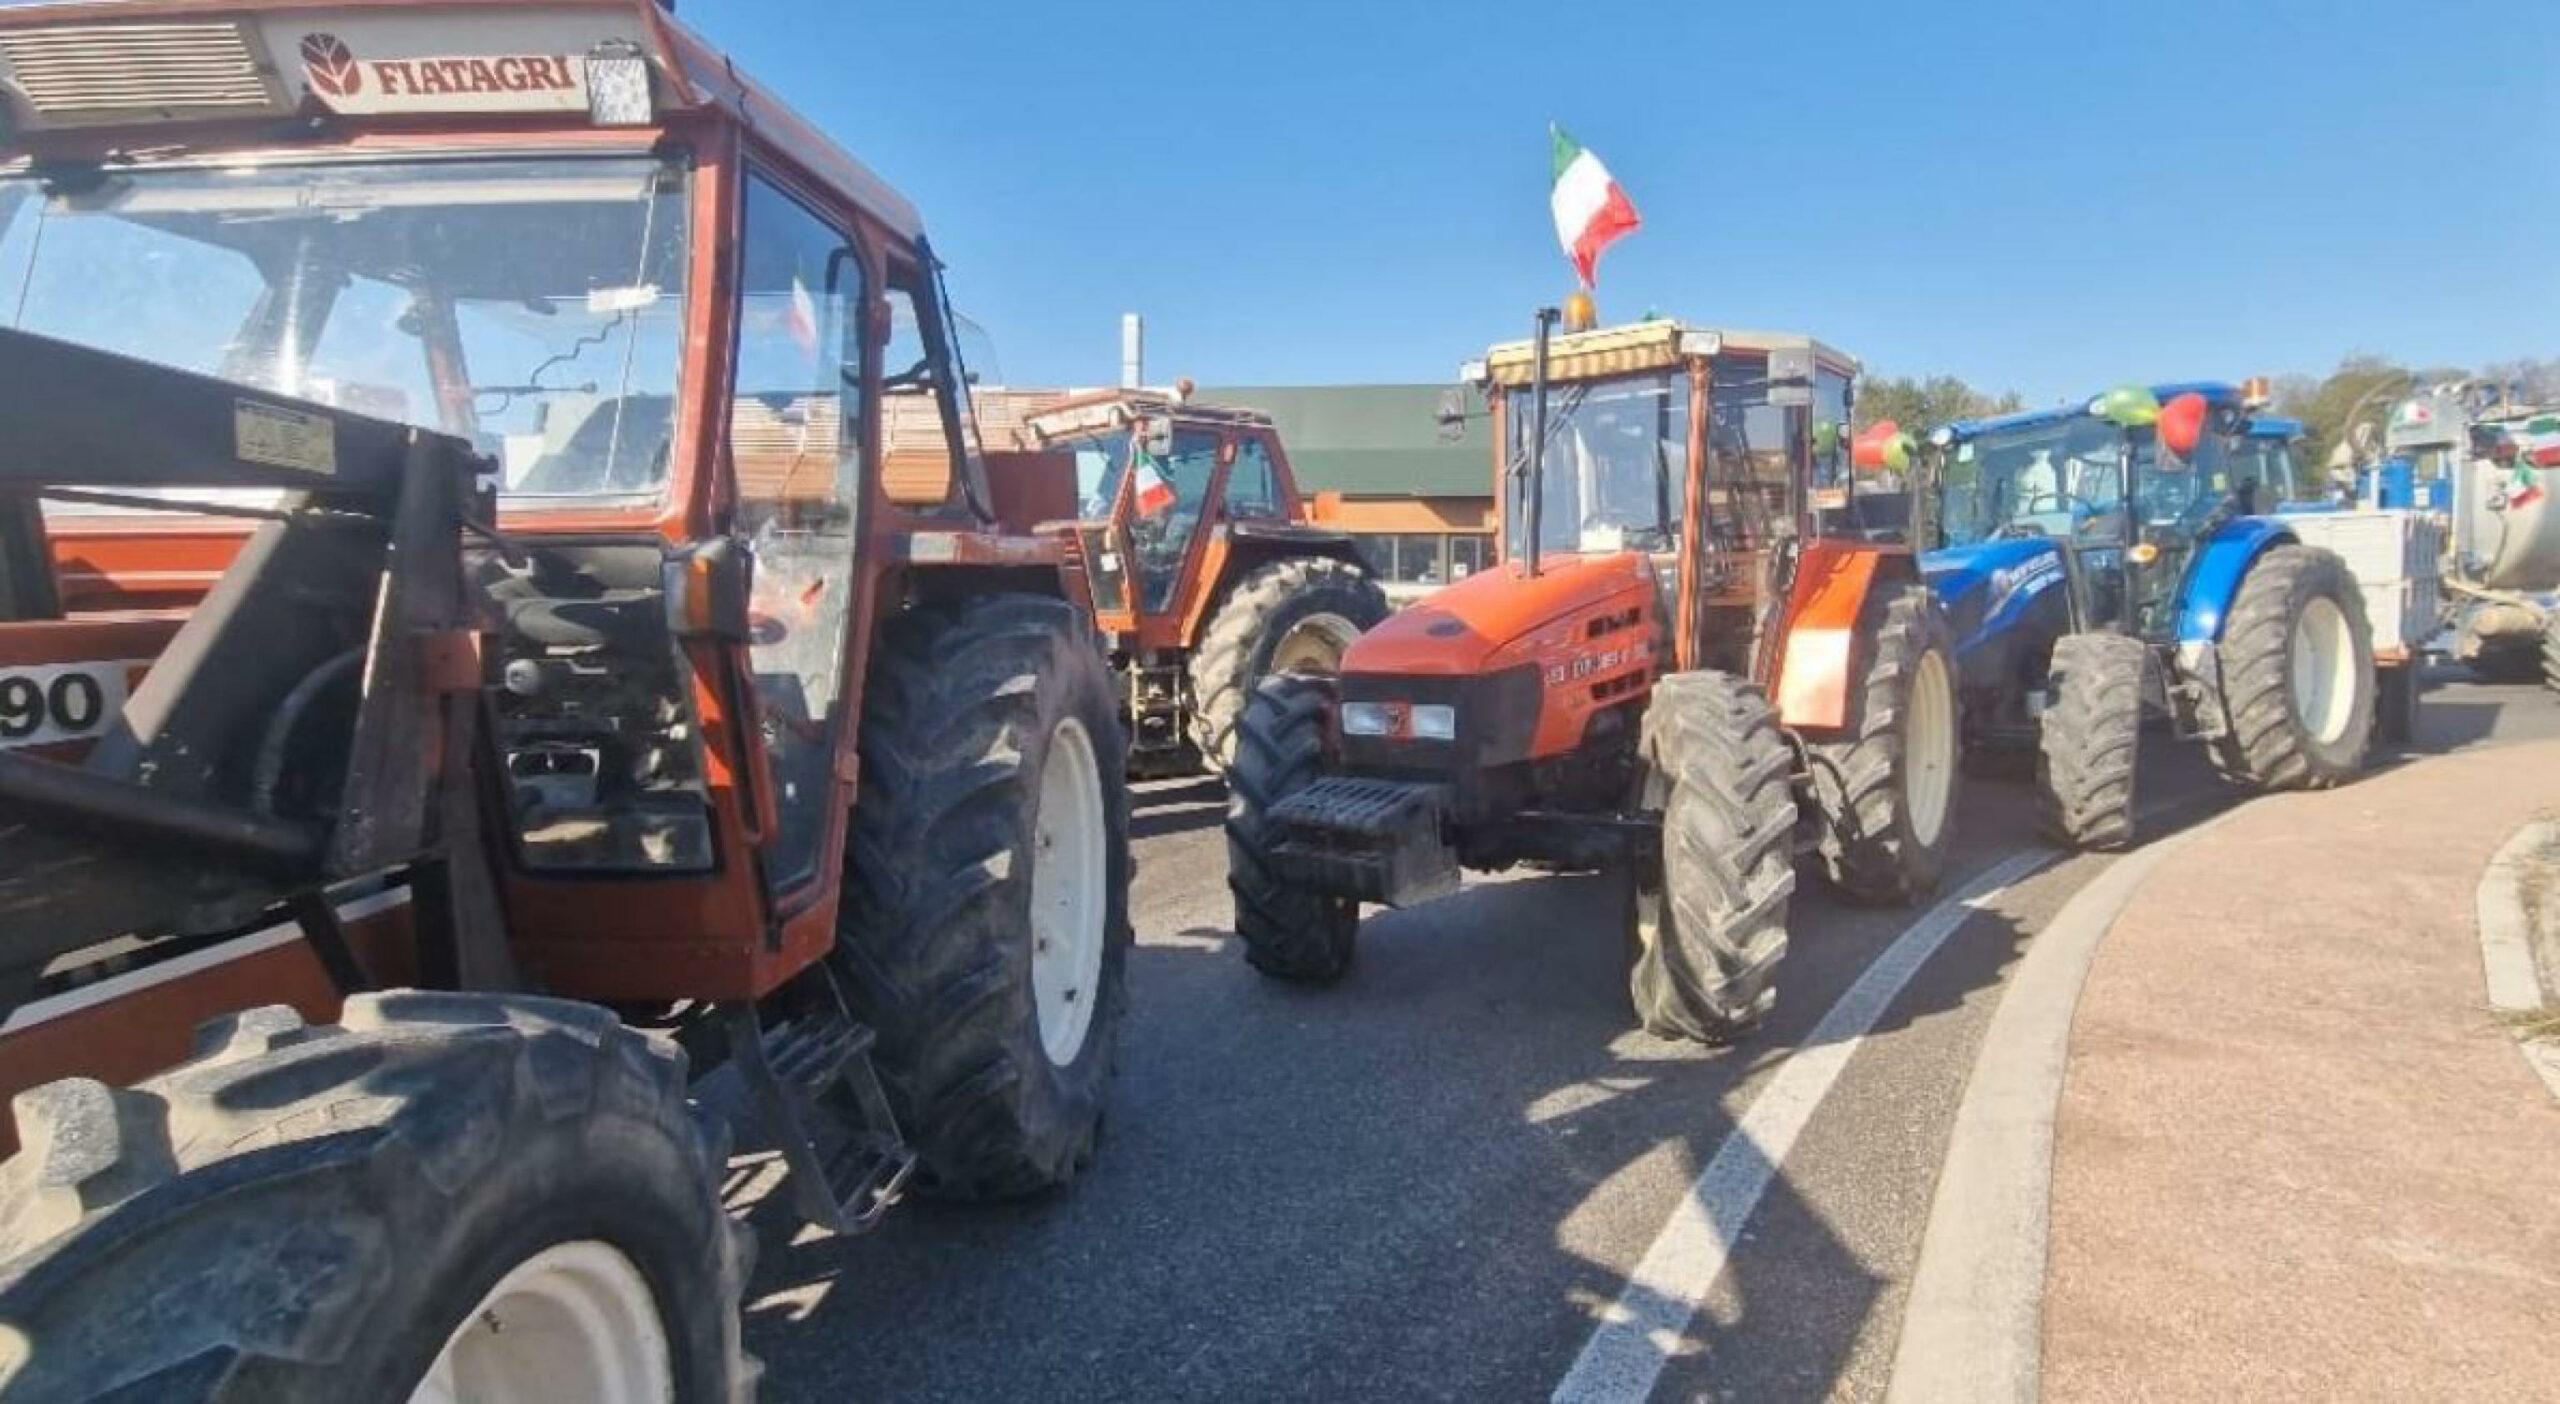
(2104, 493)
(1205, 575)
(1708, 461)
(1164, 486)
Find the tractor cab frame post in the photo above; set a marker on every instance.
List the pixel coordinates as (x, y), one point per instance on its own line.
(1533, 479)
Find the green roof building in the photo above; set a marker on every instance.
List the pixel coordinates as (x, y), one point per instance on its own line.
(1380, 463)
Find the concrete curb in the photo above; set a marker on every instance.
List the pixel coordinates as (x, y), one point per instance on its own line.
(1973, 1327)
(2506, 942)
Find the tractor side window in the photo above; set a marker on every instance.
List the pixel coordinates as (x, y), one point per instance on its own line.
(928, 431)
(1166, 495)
(1751, 457)
(799, 475)
(1831, 429)
(1166, 511)
(1253, 494)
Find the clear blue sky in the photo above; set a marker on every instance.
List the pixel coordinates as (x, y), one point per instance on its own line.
(2040, 196)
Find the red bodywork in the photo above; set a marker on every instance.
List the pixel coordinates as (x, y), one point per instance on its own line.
(1572, 619)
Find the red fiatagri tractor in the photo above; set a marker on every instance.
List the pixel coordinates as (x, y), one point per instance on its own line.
(500, 611)
(1697, 656)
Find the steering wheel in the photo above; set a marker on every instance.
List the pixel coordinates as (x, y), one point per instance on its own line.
(2080, 510)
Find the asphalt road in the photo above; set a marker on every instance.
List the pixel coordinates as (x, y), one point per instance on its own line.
(1431, 1180)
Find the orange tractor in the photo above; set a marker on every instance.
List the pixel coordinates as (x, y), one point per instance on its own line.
(1204, 572)
(1696, 658)
(577, 600)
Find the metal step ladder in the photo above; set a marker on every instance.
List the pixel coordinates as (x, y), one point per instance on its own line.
(813, 1080)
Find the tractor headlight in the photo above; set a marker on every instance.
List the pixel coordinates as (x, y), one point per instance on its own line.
(1428, 721)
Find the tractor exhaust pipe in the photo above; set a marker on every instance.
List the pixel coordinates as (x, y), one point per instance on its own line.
(1534, 485)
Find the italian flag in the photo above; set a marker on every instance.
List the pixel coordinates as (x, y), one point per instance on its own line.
(1154, 494)
(2524, 486)
(1591, 211)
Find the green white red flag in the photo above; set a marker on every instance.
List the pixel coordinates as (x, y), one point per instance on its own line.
(2539, 452)
(1591, 211)
(1154, 494)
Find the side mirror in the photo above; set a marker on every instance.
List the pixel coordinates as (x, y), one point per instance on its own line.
(1452, 415)
(2182, 424)
(1157, 437)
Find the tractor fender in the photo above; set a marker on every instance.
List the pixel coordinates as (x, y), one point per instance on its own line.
(1818, 665)
(2213, 578)
(1238, 548)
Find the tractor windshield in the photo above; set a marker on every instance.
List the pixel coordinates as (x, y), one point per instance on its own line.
(1101, 462)
(535, 307)
(1616, 466)
(2050, 477)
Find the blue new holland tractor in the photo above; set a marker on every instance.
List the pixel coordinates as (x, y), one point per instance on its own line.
(2120, 561)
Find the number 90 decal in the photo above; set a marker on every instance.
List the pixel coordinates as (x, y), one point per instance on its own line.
(71, 702)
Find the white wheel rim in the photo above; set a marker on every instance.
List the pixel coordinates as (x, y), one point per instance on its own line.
(1929, 748)
(2324, 670)
(574, 1321)
(1067, 893)
(1314, 645)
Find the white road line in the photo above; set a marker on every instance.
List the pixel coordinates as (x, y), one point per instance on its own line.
(2506, 950)
(1641, 1330)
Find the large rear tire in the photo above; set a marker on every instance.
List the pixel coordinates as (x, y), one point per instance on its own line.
(1884, 796)
(489, 1197)
(1710, 922)
(2090, 740)
(985, 933)
(1289, 932)
(2297, 674)
(2551, 651)
(1295, 615)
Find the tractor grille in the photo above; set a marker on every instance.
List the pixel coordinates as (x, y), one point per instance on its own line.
(104, 72)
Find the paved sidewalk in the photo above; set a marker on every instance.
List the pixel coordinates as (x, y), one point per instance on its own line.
(2294, 1156)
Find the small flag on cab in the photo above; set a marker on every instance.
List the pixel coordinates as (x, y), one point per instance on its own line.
(1591, 211)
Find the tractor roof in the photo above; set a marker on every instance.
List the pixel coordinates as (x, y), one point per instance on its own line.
(1103, 410)
(1639, 346)
(2215, 392)
(75, 71)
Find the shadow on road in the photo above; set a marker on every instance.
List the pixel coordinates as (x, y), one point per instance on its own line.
(1431, 1180)
(1422, 1183)
(1176, 807)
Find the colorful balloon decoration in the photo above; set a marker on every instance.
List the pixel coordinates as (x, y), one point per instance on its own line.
(1882, 445)
(2127, 406)
(2182, 424)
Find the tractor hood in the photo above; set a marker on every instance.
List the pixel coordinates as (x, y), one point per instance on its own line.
(1497, 617)
(1987, 587)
